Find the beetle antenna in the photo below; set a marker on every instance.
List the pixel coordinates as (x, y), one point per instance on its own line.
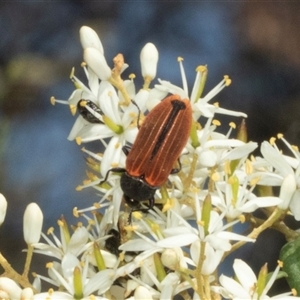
(139, 113)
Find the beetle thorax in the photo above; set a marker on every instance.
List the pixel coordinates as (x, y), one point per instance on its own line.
(136, 188)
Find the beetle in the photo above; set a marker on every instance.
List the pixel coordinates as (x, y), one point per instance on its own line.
(158, 145)
(89, 114)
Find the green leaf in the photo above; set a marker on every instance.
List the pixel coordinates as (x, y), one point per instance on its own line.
(290, 256)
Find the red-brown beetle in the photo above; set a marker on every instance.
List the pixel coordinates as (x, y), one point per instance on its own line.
(158, 145)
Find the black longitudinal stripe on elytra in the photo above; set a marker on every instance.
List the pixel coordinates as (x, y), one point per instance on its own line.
(177, 107)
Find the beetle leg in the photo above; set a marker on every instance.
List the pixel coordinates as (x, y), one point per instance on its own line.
(177, 170)
(126, 149)
(116, 170)
(139, 113)
(143, 210)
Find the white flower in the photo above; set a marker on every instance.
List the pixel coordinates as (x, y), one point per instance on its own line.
(278, 169)
(235, 199)
(32, 223)
(76, 244)
(200, 105)
(245, 287)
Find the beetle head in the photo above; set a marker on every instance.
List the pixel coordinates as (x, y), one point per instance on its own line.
(136, 189)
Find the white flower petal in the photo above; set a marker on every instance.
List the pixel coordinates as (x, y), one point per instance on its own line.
(275, 159)
(10, 287)
(244, 274)
(295, 205)
(177, 240)
(101, 282)
(78, 240)
(96, 61)
(253, 204)
(287, 190)
(3, 207)
(89, 38)
(112, 155)
(234, 288)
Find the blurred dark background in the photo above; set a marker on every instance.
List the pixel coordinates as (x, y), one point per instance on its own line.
(256, 43)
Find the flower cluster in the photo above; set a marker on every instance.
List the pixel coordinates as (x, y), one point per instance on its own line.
(176, 247)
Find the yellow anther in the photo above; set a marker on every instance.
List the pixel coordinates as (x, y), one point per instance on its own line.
(179, 58)
(97, 205)
(75, 212)
(79, 188)
(83, 64)
(272, 140)
(227, 80)
(242, 219)
(232, 125)
(216, 104)
(249, 167)
(73, 109)
(138, 215)
(122, 256)
(91, 222)
(201, 69)
(279, 136)
(201, 223)
(52, 100)
(131, 76)
(216, 122)
(50, 230)
(280, 263)
(169, 204)
(78, 140)
(215, 176)
(49, 265)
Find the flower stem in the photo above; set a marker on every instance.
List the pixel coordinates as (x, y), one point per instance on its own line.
(276, 214)
(13, 274)
(199, 277)
(28, 261)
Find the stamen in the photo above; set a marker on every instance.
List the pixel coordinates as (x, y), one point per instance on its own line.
(183, 76)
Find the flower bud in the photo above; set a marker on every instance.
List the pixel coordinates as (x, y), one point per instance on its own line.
(9, 287)
(96, 61)
(142, 293)
(32, 223)
(149, 59)
(3, 206)
(170, 259)
(27, 294)
(89, 38)
(287, 190)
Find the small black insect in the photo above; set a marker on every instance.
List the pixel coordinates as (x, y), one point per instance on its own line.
(112, 243)
(87, 114)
